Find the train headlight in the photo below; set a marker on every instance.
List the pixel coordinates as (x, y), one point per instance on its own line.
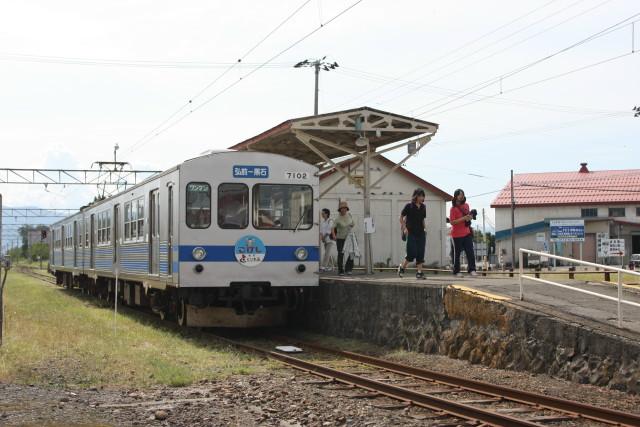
(301, 254)
(198, 253)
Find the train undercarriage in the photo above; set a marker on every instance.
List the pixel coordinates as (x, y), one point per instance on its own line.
(240, 305)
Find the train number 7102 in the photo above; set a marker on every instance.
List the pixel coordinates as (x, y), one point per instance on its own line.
(296, 175)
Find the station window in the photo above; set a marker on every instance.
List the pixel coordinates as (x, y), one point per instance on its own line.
(134, 219)
(233, 206)
(617, 212)
(104, 227)
(637, 211)
(282, 206)
(198, 205)
(589, 212)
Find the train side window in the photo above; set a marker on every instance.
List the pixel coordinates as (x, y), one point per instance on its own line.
(140, 217)
(198, 205)
(233, 206)
(127, 221)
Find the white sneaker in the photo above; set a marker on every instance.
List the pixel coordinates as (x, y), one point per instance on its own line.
(458, 275)
(474, 273)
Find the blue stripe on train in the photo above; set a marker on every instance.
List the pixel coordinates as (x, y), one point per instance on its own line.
(226, 253)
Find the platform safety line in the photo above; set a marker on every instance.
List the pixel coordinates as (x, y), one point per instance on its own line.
(624, 285)
(483, 294)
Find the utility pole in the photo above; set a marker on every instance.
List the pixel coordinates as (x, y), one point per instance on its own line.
(513, 231)
(317, 65)
(486, 244)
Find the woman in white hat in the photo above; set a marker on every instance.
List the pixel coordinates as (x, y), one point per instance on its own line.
(343, 225)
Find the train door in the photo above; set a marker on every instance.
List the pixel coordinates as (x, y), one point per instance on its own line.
(154, 230)
(116, 234)
(75, 243)
(63, 242)
(170, 231)
(92, 243)
(52, 246)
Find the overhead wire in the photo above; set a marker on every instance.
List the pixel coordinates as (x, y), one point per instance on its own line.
(459, 48)
(14, 57)
(546, 79)
(520, 132)
(359, 74)
(504, 49)
(142, 141)
(254, 70)
(477, 87)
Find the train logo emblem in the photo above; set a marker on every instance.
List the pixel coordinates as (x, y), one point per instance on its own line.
(250, 251)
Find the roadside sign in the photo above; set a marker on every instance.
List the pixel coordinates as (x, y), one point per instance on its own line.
(566, 230)
(616, 247)
(541, 237)
(602, 245)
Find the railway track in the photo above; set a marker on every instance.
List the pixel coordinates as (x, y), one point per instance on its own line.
(474, 402)
(448, 397)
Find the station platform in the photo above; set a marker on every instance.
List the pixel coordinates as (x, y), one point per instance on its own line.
(570, 305)
(481, 319)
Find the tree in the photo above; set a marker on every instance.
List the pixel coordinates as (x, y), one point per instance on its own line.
(39, 250)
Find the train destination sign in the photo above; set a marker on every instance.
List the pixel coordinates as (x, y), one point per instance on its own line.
(245, 171)
(566, 230)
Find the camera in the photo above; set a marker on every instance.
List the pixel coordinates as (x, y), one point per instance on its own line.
(474, 215)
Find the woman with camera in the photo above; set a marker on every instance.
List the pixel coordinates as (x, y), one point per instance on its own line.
(460, 218)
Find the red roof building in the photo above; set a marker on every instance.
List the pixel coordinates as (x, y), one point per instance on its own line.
(573, 188)
(607, 200)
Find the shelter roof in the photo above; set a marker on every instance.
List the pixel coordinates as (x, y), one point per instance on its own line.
(341, 128)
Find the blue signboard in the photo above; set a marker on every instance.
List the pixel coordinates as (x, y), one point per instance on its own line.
(566, 230)
(245, 171)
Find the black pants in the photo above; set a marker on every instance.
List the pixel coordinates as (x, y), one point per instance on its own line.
(415, 248)
(341, 267)
(463, 244)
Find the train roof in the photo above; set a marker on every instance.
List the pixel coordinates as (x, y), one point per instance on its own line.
(207, 153)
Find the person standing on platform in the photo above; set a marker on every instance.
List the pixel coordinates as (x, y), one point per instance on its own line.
(327, 238)
(460, 217)
(413, 226)
(343, 225)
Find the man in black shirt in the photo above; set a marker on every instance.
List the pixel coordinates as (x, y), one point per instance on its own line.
(412, 222)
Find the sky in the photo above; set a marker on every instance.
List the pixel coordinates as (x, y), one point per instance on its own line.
(508, 82)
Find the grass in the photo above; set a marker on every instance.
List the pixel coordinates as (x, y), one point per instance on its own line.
(53, 337)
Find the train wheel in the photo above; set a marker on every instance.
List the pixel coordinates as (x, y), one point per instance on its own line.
(181, 312)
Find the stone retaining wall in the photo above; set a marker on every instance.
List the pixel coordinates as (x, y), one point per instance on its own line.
(444, 320)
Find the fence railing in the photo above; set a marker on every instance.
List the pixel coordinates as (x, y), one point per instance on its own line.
(619, 270)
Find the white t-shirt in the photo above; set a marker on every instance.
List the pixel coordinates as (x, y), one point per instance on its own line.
(325, 227)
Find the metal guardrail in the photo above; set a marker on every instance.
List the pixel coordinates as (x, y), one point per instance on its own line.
(619, 270)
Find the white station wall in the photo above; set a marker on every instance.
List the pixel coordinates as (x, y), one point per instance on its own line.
(387, 201)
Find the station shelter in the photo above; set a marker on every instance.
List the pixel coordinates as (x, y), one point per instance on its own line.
(363, 134)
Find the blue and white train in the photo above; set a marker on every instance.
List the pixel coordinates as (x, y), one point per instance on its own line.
(226, 239)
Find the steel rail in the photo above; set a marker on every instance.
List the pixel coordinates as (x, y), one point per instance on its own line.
(583, 410)
(419, 399)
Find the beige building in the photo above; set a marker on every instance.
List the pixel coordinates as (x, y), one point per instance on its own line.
(387, 200)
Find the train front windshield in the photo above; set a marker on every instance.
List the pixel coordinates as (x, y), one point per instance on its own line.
(282, 206)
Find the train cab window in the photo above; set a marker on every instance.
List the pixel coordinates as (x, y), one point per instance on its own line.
(198, 205)
(233, 205)
(282, 206)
